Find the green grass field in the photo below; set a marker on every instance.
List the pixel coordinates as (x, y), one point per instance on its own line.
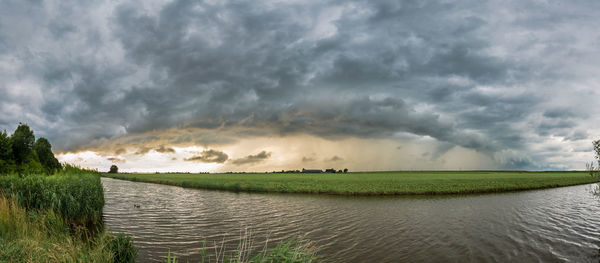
(371, 183)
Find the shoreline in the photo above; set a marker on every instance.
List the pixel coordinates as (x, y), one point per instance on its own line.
(276, 183)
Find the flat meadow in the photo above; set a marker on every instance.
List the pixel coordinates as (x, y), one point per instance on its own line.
(371, 183)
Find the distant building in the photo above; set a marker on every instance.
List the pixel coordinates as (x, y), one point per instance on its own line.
(313, 171)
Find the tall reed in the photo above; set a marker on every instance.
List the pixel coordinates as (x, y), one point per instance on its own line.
(78, 198)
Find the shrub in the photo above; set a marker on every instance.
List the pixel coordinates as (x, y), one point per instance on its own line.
(288, 251)
(122, 248)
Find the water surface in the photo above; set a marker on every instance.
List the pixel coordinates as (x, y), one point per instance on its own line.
(552, 225)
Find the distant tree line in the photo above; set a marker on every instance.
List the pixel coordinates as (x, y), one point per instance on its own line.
(21, 153)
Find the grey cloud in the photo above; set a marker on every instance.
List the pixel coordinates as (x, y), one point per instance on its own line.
(205, 138)
(577, 136)
(519, 164)
(554, 126)
(141, 139)
(552, 148)
(242, 69)
(559, 113)
(209, 156)
(513, 160)
(586, 149)
(441, 94)
(250, 159)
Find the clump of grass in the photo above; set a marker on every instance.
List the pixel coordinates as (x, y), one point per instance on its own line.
(292, 251)
(122, 247)
(44, 236)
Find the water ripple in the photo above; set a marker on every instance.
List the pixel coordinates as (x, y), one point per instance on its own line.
(554, 225)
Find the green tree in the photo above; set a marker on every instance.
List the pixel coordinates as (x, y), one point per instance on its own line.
(6, 157)
(22, 143)
(113, 169)
(593, 169)
(31, 165)
(43, 149)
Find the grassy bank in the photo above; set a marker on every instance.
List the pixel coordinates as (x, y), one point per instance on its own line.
(371, 183)
(57, 219)
(45, 236)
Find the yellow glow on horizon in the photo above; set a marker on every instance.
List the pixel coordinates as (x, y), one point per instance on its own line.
(288, 153)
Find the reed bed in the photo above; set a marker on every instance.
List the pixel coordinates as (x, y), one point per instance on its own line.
(57, 218)
(45, 236)
(78, 198)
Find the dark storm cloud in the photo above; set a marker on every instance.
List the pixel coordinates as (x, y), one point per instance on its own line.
(209, 156)
(257, 158)
(475, 74)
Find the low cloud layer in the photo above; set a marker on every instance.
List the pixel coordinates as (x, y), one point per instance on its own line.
(251, 159)
(209, 156)
(163, 149)
(116, 160)
(507, 79)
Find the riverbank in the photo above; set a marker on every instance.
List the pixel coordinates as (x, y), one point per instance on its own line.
(370, 183)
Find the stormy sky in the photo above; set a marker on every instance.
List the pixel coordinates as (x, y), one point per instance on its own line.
(270, 85)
